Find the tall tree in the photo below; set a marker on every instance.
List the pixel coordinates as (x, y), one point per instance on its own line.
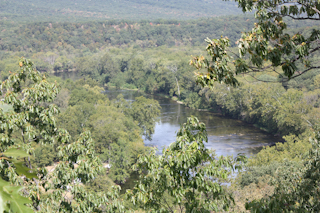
(145, 112)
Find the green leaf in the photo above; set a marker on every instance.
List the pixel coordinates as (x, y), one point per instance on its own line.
(23, 170)
(11, 200)
(15, 153)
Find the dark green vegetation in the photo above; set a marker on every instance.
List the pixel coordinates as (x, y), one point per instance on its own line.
(273, 83)
(116, 126)
(72, 10)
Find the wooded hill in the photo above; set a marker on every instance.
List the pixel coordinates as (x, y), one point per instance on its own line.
(45, 36)
(31, 10)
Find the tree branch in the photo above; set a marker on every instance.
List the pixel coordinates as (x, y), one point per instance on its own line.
(167, 204)
(301, 73)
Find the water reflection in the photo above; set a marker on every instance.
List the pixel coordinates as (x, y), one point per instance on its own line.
(226, 136)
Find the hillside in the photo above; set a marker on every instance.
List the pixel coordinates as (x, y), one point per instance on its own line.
(76, 10)
(40, 36)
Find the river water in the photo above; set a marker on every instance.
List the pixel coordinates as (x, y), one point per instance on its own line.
(226, 136)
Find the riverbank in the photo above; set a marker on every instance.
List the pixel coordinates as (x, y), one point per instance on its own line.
(176, 99)
(226, 135)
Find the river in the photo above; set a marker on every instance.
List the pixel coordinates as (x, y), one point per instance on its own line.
(226, 136)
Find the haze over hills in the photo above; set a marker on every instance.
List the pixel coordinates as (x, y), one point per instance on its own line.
(73, 10)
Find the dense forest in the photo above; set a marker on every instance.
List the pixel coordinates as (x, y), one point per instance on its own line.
(48, 36)
(65, 147)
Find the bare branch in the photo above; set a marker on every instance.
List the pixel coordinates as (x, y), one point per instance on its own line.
(299, 18)
(301, 73)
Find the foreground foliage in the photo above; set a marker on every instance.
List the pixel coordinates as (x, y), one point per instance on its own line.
(188, 172)
(32, 121)
(267, 46)
(11, 200)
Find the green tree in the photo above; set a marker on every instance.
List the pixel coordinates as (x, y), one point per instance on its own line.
(187, 171)
(62, 63)
(267, 47)
(86, 94)
(108, 68)
(32, 121)
(297, 189)
(88, 66)
(118, 140)
(145, 112)
(136, 72)
(75, 118)
(45, 155)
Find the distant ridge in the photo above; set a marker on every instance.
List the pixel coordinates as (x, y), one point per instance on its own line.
(48, 10)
